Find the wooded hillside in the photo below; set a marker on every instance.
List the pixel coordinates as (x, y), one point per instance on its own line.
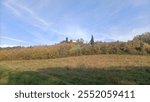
(139, 45)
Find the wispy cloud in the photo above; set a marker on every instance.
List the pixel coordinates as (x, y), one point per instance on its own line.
(26, 14)
(71, 30)
(7, 45)
(12, 39)
(14, 10)
(49, 21)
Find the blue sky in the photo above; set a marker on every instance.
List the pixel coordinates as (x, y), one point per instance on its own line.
(46, 22)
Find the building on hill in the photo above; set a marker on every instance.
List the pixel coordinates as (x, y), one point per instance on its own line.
(69, 41)
(73, 41)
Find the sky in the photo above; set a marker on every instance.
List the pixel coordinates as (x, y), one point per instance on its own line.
(47, 22)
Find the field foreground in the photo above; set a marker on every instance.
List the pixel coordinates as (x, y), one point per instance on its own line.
(92, 69)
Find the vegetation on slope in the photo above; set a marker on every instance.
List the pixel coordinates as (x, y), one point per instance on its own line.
(139, 45)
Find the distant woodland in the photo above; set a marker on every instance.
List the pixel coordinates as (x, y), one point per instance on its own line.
(140, 45)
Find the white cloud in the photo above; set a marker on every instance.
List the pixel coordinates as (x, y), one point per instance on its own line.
(7, 45)
(26, 14)
(14, 10)
(74, 29)
(12, 39)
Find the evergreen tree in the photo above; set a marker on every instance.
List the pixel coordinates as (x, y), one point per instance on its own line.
(67, 39)
(92, 40)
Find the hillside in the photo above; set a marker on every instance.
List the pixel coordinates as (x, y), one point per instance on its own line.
(78, 63)
(140, 45)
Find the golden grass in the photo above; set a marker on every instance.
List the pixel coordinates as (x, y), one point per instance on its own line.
(91, 61)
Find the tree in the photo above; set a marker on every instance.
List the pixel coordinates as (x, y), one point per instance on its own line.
(92, 40)
(66, 39)
(81, 41)
(145, 37)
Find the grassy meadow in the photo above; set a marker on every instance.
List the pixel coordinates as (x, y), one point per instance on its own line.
(90, 69)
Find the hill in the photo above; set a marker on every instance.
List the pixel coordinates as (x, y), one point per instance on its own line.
(140, 45)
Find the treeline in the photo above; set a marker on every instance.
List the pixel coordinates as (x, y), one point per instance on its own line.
(140, 45)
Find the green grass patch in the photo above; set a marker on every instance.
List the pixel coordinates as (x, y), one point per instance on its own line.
(4, 75)
(65, 76)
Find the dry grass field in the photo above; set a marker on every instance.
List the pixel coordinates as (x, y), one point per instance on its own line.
(91, 69)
